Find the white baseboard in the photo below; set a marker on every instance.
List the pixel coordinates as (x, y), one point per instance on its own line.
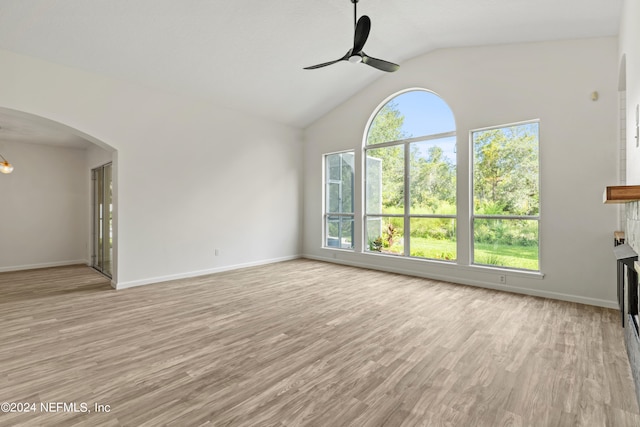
(478, 283)
(43, 265)
(160, 279)
(481, 284)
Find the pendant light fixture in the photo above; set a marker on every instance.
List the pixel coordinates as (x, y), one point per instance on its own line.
(5, 166)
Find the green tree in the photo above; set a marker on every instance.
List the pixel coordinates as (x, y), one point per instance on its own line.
(505, 175)
(433, 181)
(387, 127)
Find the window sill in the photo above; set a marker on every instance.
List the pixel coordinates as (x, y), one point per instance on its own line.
(413, 258)
(511, 272)
(507, 271)
(331, 248)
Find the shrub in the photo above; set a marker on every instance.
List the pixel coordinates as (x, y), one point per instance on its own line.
(375, 245)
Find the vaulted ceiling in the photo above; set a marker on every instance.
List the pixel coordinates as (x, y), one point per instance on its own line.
(250, 54)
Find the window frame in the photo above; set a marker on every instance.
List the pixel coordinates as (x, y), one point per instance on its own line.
(325, 208)
(473, 216)
(407, 215)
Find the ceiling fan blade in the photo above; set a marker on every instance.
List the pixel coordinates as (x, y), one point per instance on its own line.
(324, 64)
(361, 34)
(387, 66)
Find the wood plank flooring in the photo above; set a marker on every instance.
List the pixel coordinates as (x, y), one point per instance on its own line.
(305, 343)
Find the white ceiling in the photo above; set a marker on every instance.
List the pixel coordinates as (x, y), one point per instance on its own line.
(249, 54)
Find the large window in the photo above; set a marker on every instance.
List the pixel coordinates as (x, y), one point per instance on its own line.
(410, 188)
(506, 197)
(410, 174)
(338, 216)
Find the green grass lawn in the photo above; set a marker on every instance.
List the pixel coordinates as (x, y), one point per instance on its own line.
(512, 256)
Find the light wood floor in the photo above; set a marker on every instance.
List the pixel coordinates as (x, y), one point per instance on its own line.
(306, 343)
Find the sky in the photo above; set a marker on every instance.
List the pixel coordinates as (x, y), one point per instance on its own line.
(425, 113)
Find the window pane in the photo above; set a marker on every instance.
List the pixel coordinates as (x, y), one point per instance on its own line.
(433, 238)
(347, 178)
(373, 232)
(340, 180)
(409, 115)
(339, 232)
(385, 235)
(385, 180)
(433, 177)
(339, 175)
(333, 167)
(346, 236)
(505, 171)
(506, 243)
(333, 197)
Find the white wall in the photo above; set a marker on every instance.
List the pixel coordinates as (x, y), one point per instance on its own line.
(629, 48)
(191, 176)
(97, 156)
(44, 205)
(496, 85)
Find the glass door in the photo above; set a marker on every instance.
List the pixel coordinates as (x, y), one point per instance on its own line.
(102, 256)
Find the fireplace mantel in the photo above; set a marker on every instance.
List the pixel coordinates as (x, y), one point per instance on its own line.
(621, 194)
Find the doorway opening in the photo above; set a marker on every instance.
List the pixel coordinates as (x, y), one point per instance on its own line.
(102, 253)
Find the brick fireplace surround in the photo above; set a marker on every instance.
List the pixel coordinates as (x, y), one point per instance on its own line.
(631, 333)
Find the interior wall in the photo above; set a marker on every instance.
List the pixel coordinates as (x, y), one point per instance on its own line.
(97, 156)
(495, 85)
(192, 176)
(44, 207)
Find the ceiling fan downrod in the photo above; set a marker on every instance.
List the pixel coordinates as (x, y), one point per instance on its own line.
(355, 58)
(355, 13)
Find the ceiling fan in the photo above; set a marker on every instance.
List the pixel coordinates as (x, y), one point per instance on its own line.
(356, 54)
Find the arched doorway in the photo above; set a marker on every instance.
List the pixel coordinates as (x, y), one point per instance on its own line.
(47, 200)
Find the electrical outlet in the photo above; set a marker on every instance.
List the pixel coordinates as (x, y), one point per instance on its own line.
(216, 252)
(503, 279)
